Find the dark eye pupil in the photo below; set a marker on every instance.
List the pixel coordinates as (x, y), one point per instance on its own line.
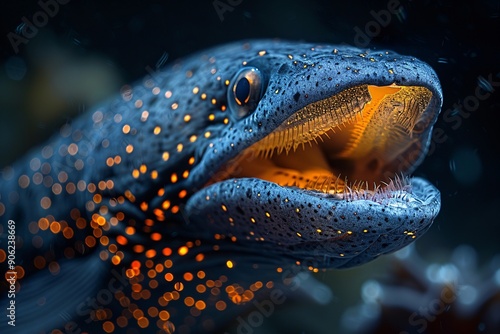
(242, 91)
(245, 92)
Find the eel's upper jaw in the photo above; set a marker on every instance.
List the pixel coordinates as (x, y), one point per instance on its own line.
(356, 141)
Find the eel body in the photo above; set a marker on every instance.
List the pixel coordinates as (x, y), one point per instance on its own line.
(207, 189)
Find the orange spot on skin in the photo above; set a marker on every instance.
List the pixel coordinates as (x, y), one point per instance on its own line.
(116, 260)
(189, 301)
(130, 273)
(112, 248)
(90, 241)
(39, 262)
(150, 253)
(108, 327)
(103, 255)
(173, 177)
(152, 311)
(43, 223)
(135, 264)
(101, 221)
(45, 203)
(200, 305)
(138, 248)
(159, 214)
(183, 250)
(54, 268)
(220, 305)
(164, 315)
(68, 232)
(97, 198)
(201, 274)
(91, 188)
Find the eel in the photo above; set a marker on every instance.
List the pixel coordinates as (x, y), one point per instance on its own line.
(213, 187)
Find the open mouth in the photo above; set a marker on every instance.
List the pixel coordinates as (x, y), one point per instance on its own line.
(355, 143)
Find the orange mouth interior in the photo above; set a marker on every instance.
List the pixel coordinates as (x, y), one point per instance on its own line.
(351, 139)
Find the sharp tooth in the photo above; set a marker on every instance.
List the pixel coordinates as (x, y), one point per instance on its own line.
(316, 119)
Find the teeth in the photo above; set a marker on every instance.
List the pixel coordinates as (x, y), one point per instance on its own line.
(388, 122)
(314, 120)
(377, 124)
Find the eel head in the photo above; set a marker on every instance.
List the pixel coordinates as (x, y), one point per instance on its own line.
(316, 162)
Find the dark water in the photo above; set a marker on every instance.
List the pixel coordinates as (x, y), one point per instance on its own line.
(103, 46)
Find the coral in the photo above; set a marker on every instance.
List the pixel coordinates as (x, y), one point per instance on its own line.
(420, 297)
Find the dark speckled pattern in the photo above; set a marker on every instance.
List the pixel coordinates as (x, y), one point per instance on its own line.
(117, 197)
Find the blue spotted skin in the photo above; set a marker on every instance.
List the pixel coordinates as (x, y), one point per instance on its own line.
(119, 196)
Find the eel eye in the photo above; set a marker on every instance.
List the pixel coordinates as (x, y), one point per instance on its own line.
(246, 91)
